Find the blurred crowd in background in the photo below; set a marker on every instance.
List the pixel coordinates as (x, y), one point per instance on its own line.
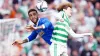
(85, 18)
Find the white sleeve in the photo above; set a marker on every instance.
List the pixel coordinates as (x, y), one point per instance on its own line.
(73, 34)
(58, 16)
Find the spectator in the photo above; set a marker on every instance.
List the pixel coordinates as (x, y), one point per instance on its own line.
(90, 20)
(15, 2)
(14, 10)
(86, 51)
(97, 34)
(82, 27)
(97, 8)
(88, 6)
(98, 49)
(1, 16)
(92, 43)
(74, 44)
(34, 51)
(24, 9)
(75, 53)
(32, 3)
(95, 53)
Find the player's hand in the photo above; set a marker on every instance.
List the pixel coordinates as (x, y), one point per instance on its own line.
(18, 42)
(30, 28)
(90, 38)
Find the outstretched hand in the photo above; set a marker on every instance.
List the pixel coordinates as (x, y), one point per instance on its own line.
(17, 42)
(30, 28)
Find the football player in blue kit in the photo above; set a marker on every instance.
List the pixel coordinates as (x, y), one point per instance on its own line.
(42, 26)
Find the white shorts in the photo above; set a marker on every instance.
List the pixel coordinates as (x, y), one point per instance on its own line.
(58, 50)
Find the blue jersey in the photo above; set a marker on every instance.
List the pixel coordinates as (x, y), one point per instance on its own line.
(45, 33)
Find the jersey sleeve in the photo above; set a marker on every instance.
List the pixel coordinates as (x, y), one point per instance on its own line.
(46, 23)
(73, 34)
(58, 16)
(32, 36)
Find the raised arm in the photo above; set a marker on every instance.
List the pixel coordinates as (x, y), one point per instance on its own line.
(73, 34)
(30, 38)
(45, 24)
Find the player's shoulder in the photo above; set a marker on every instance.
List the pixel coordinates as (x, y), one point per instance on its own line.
(44, 19)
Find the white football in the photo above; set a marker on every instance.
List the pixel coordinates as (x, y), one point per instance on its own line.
(42, 6)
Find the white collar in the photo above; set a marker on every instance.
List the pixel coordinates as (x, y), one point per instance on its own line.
(37, 22)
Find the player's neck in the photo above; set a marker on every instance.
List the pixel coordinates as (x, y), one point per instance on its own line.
(37, 21)
(66, 14)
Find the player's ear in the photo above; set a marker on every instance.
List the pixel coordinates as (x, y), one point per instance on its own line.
(64, 9)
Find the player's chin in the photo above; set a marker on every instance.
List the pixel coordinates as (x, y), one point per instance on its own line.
(34, 21)
(70, 15)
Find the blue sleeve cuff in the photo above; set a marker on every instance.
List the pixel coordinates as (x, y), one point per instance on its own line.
(43, 26)
(28, 39)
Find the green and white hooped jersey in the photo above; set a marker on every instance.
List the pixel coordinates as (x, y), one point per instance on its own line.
(60, 33)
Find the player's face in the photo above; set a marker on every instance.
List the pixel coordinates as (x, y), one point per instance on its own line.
(68, 11)
(33, 16)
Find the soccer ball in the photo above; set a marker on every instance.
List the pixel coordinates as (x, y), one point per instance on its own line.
(42, 6)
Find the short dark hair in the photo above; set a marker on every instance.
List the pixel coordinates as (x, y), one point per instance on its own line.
(32, 10)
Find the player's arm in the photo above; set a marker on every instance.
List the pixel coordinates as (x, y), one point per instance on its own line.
(30, 38)
(46, 23)
(73, 34)
(58, 17)
(43, 26)
(32, 28)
